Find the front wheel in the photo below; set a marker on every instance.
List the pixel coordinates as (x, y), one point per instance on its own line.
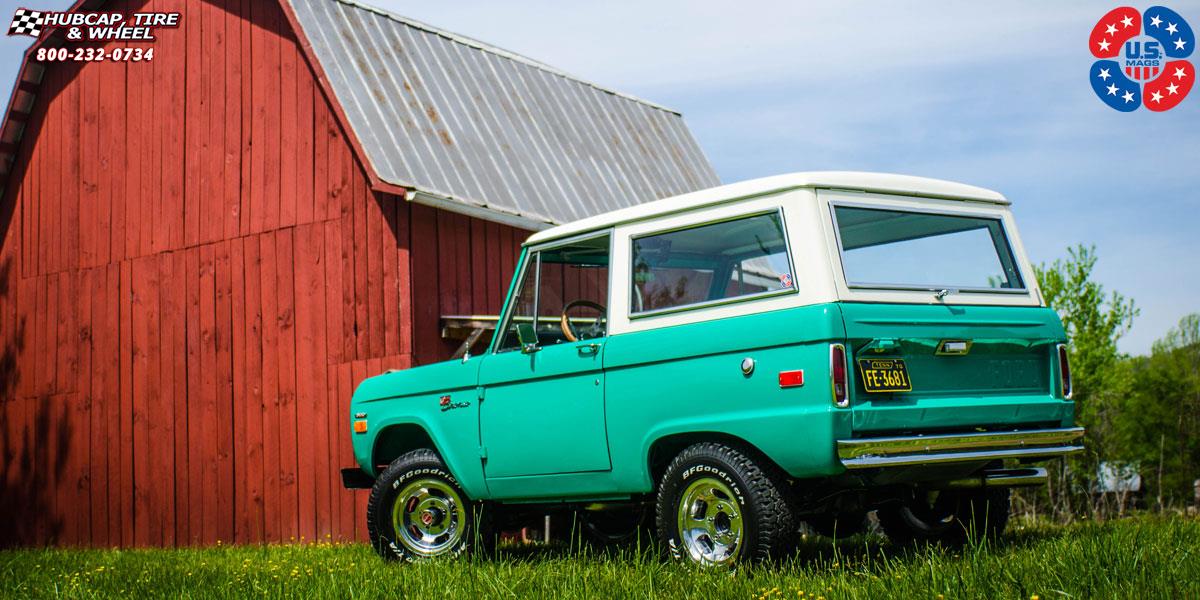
(418, 511)
(718, 507)
(950, 516)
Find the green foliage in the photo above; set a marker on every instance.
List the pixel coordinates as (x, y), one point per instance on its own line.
(1094, 320)
(1142, 411)
(1102, 379)
(1136, 558)
(1160, 422)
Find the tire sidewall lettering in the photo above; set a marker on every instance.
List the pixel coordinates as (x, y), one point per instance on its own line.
(434, 471)
(719, 473)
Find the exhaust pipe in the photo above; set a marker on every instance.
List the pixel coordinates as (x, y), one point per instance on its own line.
(997, 478)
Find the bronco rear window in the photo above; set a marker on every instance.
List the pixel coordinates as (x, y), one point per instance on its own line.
(897, 249)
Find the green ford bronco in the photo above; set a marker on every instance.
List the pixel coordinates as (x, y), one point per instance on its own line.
(721, 366)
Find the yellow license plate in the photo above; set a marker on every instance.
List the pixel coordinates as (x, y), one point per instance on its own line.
(884, 375)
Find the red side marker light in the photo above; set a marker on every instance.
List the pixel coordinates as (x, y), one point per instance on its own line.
(789, 379)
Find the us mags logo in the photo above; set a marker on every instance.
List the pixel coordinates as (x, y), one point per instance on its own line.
(1142, 47)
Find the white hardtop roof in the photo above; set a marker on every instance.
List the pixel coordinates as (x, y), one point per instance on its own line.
(886, 183)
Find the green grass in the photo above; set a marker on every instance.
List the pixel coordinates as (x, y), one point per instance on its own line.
(1135, 558)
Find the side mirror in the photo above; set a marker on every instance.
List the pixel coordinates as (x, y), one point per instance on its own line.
(527, 336)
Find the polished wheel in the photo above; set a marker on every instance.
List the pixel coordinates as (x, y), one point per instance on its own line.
(417, 511)
(429, 517)
(710, 522)
(720, 505)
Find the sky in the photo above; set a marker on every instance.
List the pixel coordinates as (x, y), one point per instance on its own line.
(991, 94)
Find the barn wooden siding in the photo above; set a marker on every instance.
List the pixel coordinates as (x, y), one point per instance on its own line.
(194, 274)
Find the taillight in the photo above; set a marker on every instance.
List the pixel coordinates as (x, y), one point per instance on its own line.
(1064, 372)
(837, 375)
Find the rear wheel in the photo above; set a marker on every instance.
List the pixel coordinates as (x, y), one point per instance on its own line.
(418, 511)
(948, 516)
(719, 507)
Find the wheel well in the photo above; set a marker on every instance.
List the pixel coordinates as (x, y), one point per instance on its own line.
(397, 440)
(664, 450)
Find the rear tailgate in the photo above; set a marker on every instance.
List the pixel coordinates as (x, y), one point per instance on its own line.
(1003, 379)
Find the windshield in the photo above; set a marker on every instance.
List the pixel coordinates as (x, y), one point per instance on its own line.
(903, 249)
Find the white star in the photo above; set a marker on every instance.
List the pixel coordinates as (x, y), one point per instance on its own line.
(1104, 74)
(1173, 89)
(1179, 44)
(1179, 74)
(1104, 45)
(1112, 89)
(1171, 28)
(1157, 97)
(1155, 21)
(1127, 21)
(1111, 29)
(1127, 96)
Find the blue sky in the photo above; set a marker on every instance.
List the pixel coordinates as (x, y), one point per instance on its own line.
(989, 94)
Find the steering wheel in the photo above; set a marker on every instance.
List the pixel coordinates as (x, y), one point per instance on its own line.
(565, 324)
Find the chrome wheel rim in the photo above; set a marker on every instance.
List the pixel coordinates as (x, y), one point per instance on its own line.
(710, 522)
(429, 517)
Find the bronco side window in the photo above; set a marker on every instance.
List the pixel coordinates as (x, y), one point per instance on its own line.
(571, 279)
(734, 259)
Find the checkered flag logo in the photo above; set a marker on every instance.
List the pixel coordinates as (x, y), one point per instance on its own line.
(26, 22)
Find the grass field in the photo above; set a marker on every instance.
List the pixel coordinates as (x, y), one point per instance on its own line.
(1134, 558)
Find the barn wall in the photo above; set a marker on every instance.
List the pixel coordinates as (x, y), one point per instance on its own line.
(194, 274)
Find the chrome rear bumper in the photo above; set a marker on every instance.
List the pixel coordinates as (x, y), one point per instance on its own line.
(866, 453)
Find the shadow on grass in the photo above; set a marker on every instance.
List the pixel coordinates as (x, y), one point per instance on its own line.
(812, 551)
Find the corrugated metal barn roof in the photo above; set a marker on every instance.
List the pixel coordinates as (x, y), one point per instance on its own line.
(471, 124)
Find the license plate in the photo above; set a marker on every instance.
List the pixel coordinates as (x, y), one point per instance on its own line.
(884, 375)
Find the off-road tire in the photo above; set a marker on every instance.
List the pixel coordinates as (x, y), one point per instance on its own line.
(422, 464)
(972, 514)
(768, 519)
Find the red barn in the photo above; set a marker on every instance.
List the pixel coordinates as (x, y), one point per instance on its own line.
(201, 254)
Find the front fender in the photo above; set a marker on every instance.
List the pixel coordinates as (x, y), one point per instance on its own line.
(442, 399)
(455, 439)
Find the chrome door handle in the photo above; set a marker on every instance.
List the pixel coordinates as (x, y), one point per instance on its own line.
(587, 349)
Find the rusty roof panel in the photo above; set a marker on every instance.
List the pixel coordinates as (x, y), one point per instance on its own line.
(481, 126)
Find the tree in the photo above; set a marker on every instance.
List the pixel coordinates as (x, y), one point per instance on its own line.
(1094, 320)
(1102, 380)
(1160, 423)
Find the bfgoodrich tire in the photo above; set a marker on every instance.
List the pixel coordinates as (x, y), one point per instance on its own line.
(718, 507)
(948, 517)
(417, 511)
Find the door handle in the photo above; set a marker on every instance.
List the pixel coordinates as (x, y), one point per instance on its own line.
(587, 349)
